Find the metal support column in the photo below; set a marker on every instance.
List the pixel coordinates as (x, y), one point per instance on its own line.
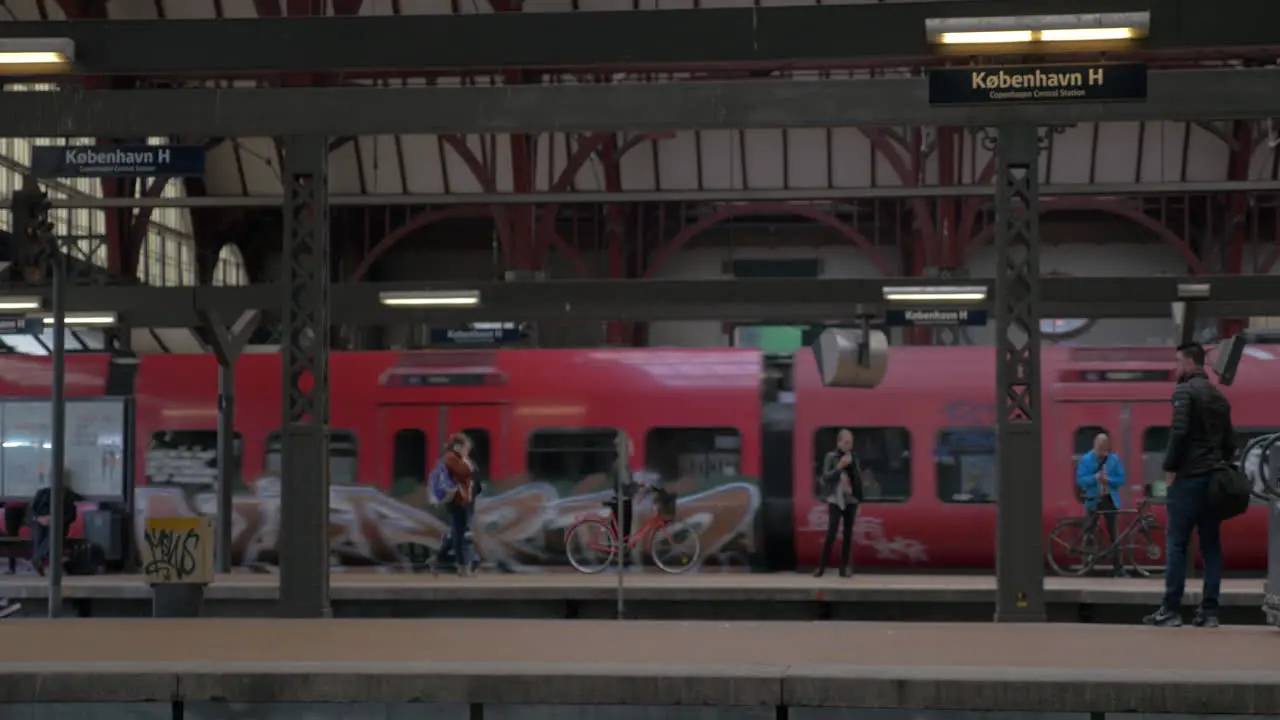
(58, 419)
(1271, 598)
(1019, 541)
(304, 461)
(227, 344)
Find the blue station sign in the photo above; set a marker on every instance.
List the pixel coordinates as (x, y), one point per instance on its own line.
(935, 317)
(479, 334)
(118, 161)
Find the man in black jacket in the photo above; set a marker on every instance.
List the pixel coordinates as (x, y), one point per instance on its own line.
(40, 514)
(1200, 439)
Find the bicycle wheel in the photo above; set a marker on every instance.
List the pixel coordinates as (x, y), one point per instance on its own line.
(1073, 546)
(1145, 546)
(675, 548)
(590, 546)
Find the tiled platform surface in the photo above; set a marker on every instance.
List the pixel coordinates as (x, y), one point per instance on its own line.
(1063, 668)
(649, 586)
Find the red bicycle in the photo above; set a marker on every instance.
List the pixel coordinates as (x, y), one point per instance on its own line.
(592, 543)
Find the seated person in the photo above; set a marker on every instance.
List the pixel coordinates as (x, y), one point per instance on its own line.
(1100, 475)
(40, 514)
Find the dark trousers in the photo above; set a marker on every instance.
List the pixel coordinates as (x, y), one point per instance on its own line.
(1105, 510)
(1189, 510)
(841, 520)
(625, 527)
(459, 519)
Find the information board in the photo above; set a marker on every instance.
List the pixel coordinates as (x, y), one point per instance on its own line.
(94, 447)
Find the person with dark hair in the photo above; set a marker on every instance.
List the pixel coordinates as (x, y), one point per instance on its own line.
(1201, 438)
(840, 485)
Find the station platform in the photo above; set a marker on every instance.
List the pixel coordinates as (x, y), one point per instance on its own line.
(791, 596)
(779, 667)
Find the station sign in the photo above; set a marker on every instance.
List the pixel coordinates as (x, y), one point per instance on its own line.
(1091, 82)
(117, 161)
(21, 326)
(481, 333)
(935, 317)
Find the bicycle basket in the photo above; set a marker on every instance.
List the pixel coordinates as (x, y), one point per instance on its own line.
(667, 505)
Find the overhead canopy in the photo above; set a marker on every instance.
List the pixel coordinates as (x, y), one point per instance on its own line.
(763, 300)
(636, 107)
(768, 36)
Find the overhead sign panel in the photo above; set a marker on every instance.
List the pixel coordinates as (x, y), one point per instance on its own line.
(925, 318)
(1093, 82)
(117, 161)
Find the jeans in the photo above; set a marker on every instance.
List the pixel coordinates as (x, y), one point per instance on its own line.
(1105, 510)
(1188, 510)
(459, 519)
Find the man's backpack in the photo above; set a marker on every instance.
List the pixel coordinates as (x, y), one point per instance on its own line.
(440, 484)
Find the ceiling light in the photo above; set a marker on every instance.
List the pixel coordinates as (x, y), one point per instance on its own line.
(436, 298)
(37, 51)
(948, 294)
(84, 319)
(23, 302)
(984, 38)
(1020, 29)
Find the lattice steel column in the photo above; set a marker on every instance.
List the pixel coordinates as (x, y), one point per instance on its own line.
(1019, 543)
(304, 457)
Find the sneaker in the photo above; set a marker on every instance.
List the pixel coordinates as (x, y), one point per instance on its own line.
(9, 607)
(1206, 619)
(1164, 617)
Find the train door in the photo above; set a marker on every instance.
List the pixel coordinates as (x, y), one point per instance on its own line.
(414, 436)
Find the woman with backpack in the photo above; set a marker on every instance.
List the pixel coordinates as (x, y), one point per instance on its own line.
(452, 486)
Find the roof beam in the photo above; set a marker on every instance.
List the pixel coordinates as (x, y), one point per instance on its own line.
(603, 300)
(771, 36)
(1172, 95)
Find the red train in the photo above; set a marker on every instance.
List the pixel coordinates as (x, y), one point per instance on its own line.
(734, 433)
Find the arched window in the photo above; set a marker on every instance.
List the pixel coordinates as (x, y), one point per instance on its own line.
(167, 256)
(230, 269)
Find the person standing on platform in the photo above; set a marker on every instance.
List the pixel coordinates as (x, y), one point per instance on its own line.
(840, 485)
(1201, 438)
(1100, 475)
(451, 486)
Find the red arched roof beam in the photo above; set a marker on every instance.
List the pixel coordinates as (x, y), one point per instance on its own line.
(417, 222)
(728, 212)
(1112, 206)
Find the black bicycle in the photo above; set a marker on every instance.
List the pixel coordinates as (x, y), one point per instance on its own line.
(1076, 544)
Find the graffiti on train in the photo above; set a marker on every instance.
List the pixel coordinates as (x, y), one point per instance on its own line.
(518, 527)
(869, 532)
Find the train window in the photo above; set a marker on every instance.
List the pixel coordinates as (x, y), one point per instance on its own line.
(681, 452)
(1155, 442)
(187, 457)
(885, 454)
(965, 464)
(480, 450)
(343, 469)
(408, 459)
(570, 455)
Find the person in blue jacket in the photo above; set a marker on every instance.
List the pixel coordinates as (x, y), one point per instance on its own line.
(1100, 475)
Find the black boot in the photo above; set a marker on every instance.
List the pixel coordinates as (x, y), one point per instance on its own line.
(846, 563)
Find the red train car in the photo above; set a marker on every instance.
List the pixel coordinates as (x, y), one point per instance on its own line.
(735, 434)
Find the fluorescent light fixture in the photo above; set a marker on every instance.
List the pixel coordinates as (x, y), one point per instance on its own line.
(947, 294)
(9, 303)
(986, 38)
(1018, 29)
(431, 298)
(79, 319)
(37, 51)
(1193, 291)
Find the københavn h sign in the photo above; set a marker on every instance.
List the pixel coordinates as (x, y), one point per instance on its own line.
(930, 317)
(1093, 82)
(117, 161)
